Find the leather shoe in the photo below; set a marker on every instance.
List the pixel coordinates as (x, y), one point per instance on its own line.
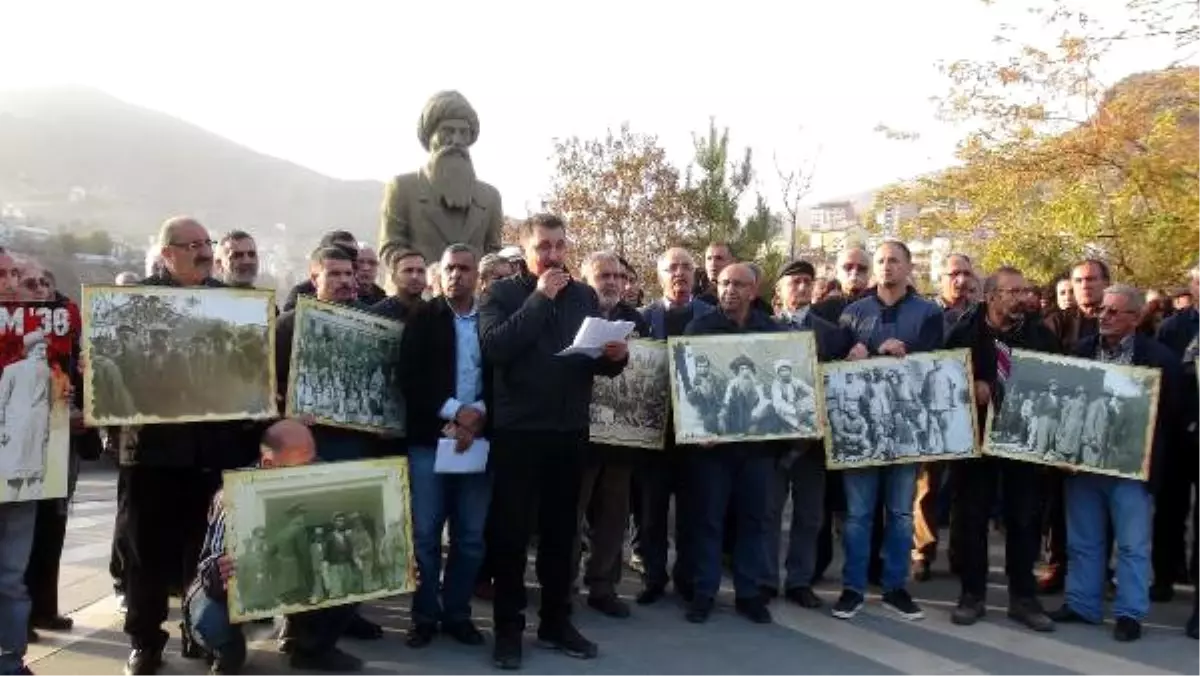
(651, 594)
(1127, 629)
(363, 629)
(609, 605)
(464, 632)
(420, 635)
(804, 597)
(143, 662)
(55, 623)
(753, 609)
(699, 610)
(1067, 615)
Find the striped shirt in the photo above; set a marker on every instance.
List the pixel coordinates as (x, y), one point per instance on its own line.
(208, 573)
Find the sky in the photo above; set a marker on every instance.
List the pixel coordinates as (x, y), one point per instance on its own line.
(338, 87)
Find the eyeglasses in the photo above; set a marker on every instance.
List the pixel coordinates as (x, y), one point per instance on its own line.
(239, 255)
(1108, 310)
(196, 245)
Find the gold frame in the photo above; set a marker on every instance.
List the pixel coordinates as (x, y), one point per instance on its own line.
(231, 480)
(644, 343)
(961, 355)
(90, 291)
(808, 344)
(307, 304)
(1140, 372)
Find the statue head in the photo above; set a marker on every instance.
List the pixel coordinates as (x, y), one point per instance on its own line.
(448, 127)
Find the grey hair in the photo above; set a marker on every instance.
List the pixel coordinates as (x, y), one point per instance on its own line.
(166, 233)
(1137, 299)
(957, 254)
(992, 283)
(673, 250)
(457, 248)
(596, 257)
(489, 262)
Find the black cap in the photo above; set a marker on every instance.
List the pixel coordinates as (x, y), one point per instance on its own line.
(798, 268)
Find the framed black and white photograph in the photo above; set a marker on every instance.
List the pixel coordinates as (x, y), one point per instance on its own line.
(631, 409)
(159, 354)
(1077, 413)
(744, 387)
(317, 536)
(344, 368)
(888, 411)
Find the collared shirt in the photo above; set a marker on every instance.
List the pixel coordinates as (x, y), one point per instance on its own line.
(468, 378)
(796, 318)
(208, 576)
(1122, 354)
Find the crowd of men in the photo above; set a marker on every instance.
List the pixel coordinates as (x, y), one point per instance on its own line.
(478, 360)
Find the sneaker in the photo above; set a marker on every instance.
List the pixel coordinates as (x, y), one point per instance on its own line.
(699, 610)
(848, 605)
(899, 601)
(804, 597)
(333, 660)
(609, 605)
(753, 609)
(1028, 611)
(506, 654)
(1127, 629)
(567, 639)
(969, 611)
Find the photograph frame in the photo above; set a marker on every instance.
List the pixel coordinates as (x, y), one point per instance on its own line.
(1140, 372)
(805, 342)
(391, 477)
(86, 346)
(962, 356)
(660, 441)
(306, 305)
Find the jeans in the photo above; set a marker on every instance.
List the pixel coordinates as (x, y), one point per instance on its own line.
(662, 476)
(862, 487)
(17, 521)
(804, 478)
(737, 477)
(462, 500)
(207, 623)
(1091, 500)
(605, 488)
(976, 482)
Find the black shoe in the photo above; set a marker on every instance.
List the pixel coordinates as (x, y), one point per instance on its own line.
(804, 597)
(900, 602)
(363, 629)
(420, 635)
(32, 636)
(969, 611)
(1028, 611)
(463, 631)
(848, 604)
(55, 623)
(651, 594)
(1127, 629)
(754, 609)
(143, 662)
(768, 592)
(921, 572)
(190, 650)
(686, 591)
(1159, 593)
(506, 654)
(609, 605)
(1067, 615)
(24, 670)
(333, 660)
(567, 639)
(698, 610)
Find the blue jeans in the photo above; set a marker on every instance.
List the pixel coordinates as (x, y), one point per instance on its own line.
(463, 500)
(1090, 500)
(722, 476)
(16, 540)
(208, 623)
(899, 485)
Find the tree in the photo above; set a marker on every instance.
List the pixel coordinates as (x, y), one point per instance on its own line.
(619, 193)
(714, 188)
(1061, 165)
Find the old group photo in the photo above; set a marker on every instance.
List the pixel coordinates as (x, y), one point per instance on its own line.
(318, 536)
(344, 368)
(886, 411)
(631, 409)
(163, 354)
(745, 387)
(1090, 416)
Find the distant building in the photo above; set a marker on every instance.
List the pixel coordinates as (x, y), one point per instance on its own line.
(832, 216)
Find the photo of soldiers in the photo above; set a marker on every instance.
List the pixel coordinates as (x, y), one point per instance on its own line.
(1091, 416)
(744, 388)
(165, 354)
(890, 411)
(631, 409)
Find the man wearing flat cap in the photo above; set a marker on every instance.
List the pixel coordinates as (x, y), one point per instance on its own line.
(442, 203)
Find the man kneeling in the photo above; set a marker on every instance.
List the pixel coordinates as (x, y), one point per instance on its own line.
(312, 635)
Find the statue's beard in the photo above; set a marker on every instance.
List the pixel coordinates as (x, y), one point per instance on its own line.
(452, 177)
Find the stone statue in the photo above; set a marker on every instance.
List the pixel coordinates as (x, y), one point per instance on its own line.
(442, 203)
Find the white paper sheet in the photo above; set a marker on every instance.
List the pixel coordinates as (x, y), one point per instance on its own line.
(594, 333)
(471, 461)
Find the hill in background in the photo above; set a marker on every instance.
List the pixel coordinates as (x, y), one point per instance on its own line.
(79, 157)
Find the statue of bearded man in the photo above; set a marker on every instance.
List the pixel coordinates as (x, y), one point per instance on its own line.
(442, 203)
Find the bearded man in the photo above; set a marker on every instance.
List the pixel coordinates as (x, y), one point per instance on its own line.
(442, 203)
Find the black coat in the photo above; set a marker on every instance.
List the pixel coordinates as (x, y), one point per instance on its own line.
(521, 331)
(1070, 327)
(305, 288)
(429, 371)
(1176, 333)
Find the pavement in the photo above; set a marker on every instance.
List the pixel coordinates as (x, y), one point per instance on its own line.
(656, 639)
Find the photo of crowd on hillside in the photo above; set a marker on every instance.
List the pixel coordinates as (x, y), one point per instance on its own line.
(631, 409)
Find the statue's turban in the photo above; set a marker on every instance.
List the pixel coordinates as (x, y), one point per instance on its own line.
(442, 106)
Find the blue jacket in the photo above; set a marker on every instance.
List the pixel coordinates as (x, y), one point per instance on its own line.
(655, 315)
(913, 320)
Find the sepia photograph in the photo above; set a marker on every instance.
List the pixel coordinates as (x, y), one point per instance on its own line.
(744, 387)
(35, 401)
(1077, 413)
(344, 368)
(169, 354)
(317, 536)
(631, 409)
(888, 411)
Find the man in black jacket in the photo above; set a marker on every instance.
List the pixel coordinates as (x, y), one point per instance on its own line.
(308, 287)
(541, 420)
(991, 330)
(172, 464)
(446, 386)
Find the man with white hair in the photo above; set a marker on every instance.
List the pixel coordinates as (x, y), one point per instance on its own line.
(1092, 500)
(442, 203)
